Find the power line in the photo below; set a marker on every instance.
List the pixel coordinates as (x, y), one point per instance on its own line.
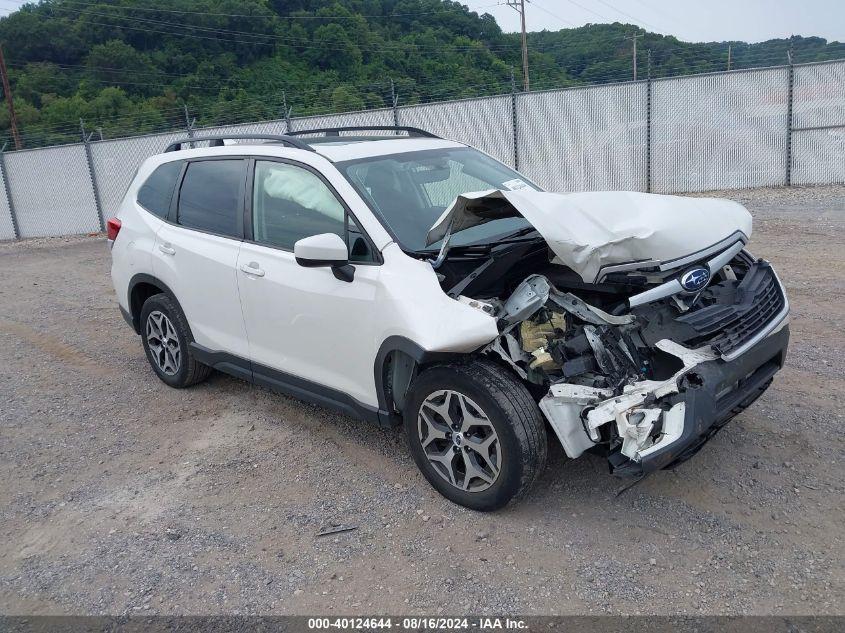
(663, 12)
(70, 130)
(296, 41)
(259, 38)
(221, 82)
(713, 55)
(737, 54)
(404, 46)
(706, 58)
(266, 16)
(708, 62)
(596, 13)
(554, 15)
(610, 6)
(249, 106)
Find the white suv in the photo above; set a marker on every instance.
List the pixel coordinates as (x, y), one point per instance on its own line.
(402, 278)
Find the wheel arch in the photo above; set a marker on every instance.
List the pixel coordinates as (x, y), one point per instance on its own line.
(141, 287)
(398, 361)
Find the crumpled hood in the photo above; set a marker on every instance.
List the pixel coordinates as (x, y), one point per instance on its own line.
(590, 230)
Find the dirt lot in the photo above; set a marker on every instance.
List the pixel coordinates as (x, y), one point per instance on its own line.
(120, 495)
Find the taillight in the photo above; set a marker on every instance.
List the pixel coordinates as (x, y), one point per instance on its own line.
(112, 228)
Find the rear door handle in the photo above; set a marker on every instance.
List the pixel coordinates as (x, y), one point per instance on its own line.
(252, 269)
(167, 249)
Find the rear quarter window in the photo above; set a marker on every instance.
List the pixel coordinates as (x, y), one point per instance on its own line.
(156, 192)
(211, 197)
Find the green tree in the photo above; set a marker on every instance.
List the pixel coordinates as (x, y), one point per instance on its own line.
(345, 99)
(332, 49)
(116, 63)
(40, 78)
(131, 71)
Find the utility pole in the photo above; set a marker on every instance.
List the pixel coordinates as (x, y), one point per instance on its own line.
(7, 90)
(519, 7)
(634, 40)
(729, 56)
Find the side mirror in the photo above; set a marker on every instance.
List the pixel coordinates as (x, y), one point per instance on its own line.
(325, 249)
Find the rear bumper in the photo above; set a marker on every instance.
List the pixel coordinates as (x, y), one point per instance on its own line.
(712, 393)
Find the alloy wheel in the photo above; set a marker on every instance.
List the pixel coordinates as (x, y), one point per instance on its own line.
(459, 440)
(163, 343)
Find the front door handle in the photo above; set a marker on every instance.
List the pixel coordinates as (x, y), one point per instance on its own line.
(252, 269)
(167, 249)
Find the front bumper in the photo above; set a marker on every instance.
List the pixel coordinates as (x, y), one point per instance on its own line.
(660, 423)
(712, 393)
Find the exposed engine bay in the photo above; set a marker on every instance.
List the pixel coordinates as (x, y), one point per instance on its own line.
(612, 361)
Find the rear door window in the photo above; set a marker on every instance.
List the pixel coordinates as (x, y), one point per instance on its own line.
(155, 194)
(211, 197)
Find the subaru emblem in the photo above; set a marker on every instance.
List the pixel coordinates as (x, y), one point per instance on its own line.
(695, 279)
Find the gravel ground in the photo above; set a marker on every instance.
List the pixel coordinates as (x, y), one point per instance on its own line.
(120, 495)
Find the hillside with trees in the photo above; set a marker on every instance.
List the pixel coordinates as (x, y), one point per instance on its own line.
(131, 66)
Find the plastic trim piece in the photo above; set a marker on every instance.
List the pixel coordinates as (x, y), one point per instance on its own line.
(418, 354)
(139, 278)
(769, 329)
(674, 263)
(288, 384)
(673, 286)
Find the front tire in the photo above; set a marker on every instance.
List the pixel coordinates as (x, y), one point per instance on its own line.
(165, 336)
(476, 433)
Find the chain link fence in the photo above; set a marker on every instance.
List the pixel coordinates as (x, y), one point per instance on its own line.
(818, 124)
(721, 131)
(584, 139)
(485, 123)
(747, 128)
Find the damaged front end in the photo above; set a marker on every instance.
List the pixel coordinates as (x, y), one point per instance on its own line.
(640, 362)
(648, 387)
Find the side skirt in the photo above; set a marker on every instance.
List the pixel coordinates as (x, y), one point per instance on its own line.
(289, 385)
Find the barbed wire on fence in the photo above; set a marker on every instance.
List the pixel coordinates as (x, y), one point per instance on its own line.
(749, 127)
(245, 108)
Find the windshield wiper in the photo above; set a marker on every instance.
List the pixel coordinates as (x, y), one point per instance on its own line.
(486, 247)
(508, 238)
(505, 239)
(482, 248)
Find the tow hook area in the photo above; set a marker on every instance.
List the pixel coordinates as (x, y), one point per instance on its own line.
(642, 421)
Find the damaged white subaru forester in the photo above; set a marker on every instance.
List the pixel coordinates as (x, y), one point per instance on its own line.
(402, 278)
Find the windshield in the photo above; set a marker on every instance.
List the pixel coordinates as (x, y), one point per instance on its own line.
(410, 191)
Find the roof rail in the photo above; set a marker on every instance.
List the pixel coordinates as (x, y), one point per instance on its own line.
(217, 140)
(335, 131)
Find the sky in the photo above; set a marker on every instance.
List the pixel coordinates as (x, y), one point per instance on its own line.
(688, 20)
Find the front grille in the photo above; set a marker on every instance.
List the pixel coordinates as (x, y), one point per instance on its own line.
(757, 301)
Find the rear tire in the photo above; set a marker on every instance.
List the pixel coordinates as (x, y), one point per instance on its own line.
(166, 336)
(476, 433)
